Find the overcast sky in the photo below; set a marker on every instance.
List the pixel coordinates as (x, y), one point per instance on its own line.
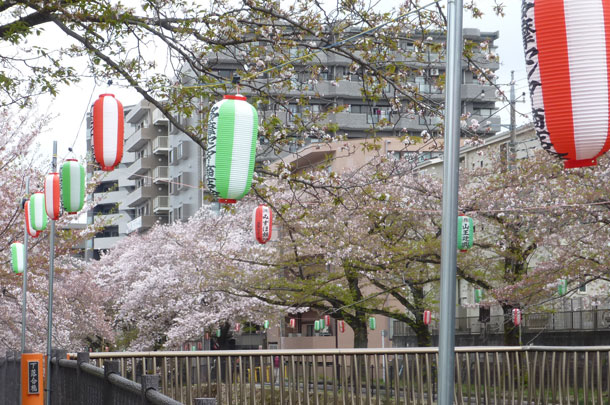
(73, 103)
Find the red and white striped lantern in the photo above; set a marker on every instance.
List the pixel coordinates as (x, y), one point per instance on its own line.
(108, 131)
(516, 316)
(341, 325)
(427, 317)
(567, 51)
(28, 225)
(262, 219)
(327, 320)
(293, 323)
(52, 196)
(237, 326)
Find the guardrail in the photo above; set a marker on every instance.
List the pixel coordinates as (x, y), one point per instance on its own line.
(534, 374)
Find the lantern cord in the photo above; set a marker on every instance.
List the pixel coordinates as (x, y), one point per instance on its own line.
(81, 122)
(324, 48)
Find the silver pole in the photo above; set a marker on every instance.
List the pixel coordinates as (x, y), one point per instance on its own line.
(51, 272)
(450, 203)
(512, 150)
(24, 289)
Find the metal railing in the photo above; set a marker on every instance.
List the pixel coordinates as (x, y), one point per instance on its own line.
(532, 374)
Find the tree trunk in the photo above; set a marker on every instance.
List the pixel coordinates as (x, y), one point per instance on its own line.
(422, 332)
(361, 336)
(511, 332)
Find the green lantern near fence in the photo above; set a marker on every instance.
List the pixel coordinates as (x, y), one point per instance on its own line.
(478, 295)
(316, 326)
(231, 148)
(18, 257)
(465, 231)
(266, 325)
(72, 186)
(218, 332)
(372, 323)
(562, 288)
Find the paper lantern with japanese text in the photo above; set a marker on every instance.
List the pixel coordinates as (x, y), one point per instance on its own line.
(465, 230)
(327, 320)
(316, 325)
(28, 224)
(72, 186)
(231, 148)
(372, 323)
(52, 196)
(266, 325)
(516, 316)
(18, 257)
(108, 131)
(567, 52)
(293, 323)
(341, 325)
(218, 332)
(262, 219)
(427, 317)
(237, 327)
(38, 213)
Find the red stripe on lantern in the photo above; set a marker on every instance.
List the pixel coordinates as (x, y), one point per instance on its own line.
(554, 68)
(327, 320)
(293, 323)
(341, 326)
(99, 122)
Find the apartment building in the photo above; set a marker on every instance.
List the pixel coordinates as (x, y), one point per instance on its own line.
(134, 196)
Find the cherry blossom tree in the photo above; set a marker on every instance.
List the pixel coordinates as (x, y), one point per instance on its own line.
(76, 316)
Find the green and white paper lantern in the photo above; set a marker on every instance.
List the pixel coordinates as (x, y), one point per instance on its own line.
(372, 323)
(266, 324)
(218, 332)
(316, 325)
(72, 186)
(562, 288)
(465, 230)
(18, 257)
(231, 148)
(478, 295)
(38, 213)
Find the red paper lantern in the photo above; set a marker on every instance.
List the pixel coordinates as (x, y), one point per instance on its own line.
(516, 316)
(427, 317)
(341, 325)
(567, 48)
(262, 219)
(28, 225)
(199, 346)
(293, 323)
(207, 336)
(237, 327)
(108, 131)
(327, 320)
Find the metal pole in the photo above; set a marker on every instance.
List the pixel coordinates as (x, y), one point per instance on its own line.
(512, 146)
(450, 203)
(25, 273)
(51, 272)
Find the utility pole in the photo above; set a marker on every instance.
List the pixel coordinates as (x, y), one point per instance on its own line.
(450, 203)
(51, 272)
(24, 289)
(512, 145)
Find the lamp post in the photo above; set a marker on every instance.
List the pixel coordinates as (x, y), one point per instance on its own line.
(51, 272)
(450, 203)
(25, 272)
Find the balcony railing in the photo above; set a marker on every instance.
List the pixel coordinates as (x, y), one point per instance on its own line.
(161, 204)
(160, 174)
(161, 145)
